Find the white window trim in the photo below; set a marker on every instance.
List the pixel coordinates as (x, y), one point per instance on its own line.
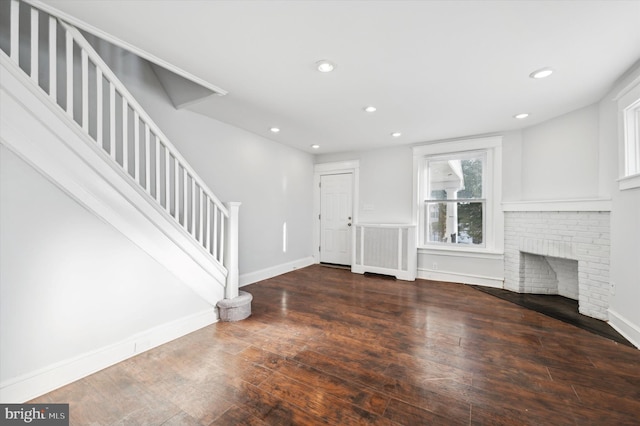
(629, 136)
(494, 242)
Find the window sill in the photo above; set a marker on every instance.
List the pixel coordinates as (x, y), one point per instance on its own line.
(481, 253)
(629, 182)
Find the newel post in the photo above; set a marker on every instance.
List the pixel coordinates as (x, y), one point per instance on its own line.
(236, 304)
(231, 289)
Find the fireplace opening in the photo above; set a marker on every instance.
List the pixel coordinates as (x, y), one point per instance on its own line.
(550, 275)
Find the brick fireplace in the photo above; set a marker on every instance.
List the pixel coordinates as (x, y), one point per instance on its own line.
(559, 252)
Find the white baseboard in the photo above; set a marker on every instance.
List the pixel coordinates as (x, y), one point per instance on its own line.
(39, 382)
(274, 271)
(456, 277)
(629, 331)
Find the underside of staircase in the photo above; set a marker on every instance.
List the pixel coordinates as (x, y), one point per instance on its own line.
(68, 116)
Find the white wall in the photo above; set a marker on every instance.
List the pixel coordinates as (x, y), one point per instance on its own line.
(272, 181)
(560, 157)
(386, 177)
(624, 305)
(70, 284)
(512, 166)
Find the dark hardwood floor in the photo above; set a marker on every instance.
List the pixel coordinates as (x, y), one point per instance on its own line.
(325, 346)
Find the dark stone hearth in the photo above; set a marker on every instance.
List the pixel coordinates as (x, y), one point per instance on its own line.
(560, 308)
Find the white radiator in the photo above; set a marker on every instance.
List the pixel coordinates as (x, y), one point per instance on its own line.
(387, 249)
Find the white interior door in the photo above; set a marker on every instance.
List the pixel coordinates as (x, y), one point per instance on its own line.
(336, 213)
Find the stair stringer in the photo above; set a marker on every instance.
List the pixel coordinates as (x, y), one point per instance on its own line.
(37, 130)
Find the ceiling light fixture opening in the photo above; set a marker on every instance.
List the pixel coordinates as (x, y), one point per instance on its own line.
(521, 116)
(315, 146)
(370, 108)
(396, 134)
(325, 66)
(275, 129)
(541, 73)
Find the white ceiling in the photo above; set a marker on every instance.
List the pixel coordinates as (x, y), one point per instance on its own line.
(434, 69)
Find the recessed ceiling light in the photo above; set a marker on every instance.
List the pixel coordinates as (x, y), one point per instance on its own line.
(315, 146)
(541, 73)
(370, 108)
(521, 116)
(396, 134)
(274, 129)
(325, 66)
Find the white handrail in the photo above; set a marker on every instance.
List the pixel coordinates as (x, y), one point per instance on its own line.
(111, 77)
(124, 121)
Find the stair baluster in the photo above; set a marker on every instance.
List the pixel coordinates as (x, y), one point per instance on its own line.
(119, 119)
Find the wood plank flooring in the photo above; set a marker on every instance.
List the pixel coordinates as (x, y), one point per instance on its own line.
(325, 346)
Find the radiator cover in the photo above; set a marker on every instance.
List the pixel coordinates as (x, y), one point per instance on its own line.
(388, 249)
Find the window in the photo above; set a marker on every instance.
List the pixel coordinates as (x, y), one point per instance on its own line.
(454, 198)
(458, 194)
(629, 107)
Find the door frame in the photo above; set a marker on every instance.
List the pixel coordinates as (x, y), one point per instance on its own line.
(334, 168)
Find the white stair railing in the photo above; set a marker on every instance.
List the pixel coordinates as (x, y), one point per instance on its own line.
(63, 64)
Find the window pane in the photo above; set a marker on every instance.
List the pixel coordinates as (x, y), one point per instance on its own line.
(444, 178)
(629, 109)
(454, 222)
(472, 174)
(470, 223)
(455, 177)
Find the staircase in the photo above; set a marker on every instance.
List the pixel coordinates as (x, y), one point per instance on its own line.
(111, 156)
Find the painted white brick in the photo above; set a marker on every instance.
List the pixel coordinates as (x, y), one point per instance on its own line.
(581, 236)
(597, 267)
